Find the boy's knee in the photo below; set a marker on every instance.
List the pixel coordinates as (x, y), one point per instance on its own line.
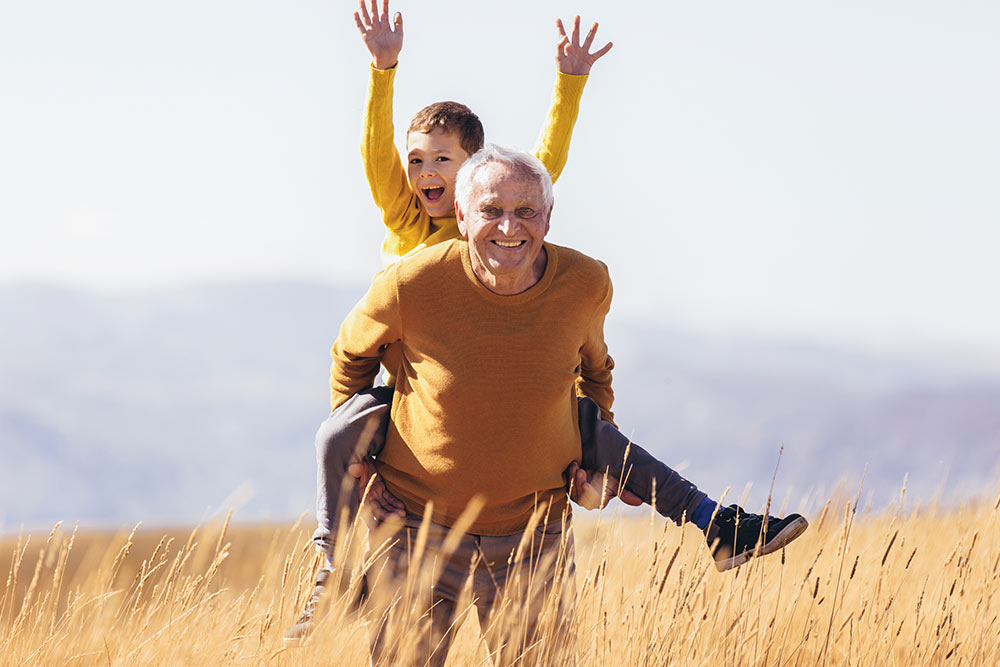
(357, 427)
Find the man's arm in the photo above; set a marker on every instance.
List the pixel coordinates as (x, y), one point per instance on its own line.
(371, 326)
(591, 488)
(407, 223)
(573, 61)
(595, 362)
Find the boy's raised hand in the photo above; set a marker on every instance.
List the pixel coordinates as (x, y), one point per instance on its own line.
(384, 40)
(573, 57)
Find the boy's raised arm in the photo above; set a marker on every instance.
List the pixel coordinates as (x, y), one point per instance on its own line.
(383, 167)
(573, 61)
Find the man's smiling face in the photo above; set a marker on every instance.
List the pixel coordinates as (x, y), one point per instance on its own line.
(505, 223)
(433, 160)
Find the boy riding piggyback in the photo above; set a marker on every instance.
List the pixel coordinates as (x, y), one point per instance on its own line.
(418, 202)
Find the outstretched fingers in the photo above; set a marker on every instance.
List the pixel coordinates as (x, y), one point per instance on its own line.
(364, 19)
(604, 49)
(572, 56)
(590, 37)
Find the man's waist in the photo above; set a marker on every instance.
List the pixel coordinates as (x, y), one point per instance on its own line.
(505, 517)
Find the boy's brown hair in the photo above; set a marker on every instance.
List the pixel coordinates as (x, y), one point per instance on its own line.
(451, 117)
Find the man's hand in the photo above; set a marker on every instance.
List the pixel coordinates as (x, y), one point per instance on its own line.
(383, 41)
(379, 502)
(571, 56)
(593, 490)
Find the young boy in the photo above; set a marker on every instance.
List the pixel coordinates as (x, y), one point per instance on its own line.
(418, 211)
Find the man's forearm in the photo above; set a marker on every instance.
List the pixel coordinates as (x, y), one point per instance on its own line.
(348, 377)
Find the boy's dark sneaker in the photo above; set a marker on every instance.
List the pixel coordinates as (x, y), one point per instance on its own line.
(736, 536)
(303, 627)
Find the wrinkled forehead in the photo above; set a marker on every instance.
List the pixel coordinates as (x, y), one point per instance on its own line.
(498, 179)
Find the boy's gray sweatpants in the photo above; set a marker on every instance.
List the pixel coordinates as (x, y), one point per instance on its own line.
(357, 430)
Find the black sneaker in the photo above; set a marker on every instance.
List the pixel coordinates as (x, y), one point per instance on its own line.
(299, 632)
(735, 536)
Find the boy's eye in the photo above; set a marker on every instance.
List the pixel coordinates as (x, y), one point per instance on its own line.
(415, 160)
(442, 158)
(526, 212)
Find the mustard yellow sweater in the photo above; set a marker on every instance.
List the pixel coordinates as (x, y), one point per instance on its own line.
(408, 225)
(485, 399)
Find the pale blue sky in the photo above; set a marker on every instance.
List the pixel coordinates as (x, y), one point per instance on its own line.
(821, 170)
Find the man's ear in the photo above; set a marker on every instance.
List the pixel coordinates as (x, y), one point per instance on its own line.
(548, 219)
(463, 229)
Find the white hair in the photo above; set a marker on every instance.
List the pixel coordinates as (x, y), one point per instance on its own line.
(518, 161)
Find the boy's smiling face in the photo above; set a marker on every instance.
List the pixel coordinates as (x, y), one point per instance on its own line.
(433, 159)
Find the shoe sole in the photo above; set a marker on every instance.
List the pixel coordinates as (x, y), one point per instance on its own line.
(787, 534)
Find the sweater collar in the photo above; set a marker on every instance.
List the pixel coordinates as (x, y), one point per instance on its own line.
(551, 266)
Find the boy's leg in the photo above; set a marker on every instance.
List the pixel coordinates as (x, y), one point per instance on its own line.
(604, 450)
(353, 431)
(734, 536)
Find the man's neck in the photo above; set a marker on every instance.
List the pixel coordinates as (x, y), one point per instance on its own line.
(509, 285)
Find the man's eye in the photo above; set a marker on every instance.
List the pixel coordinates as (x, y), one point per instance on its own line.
(490, 212)
(526, 212)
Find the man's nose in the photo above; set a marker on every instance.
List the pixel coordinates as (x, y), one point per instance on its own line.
(509, 224)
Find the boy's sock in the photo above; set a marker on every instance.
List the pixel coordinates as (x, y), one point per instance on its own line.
(702, 514)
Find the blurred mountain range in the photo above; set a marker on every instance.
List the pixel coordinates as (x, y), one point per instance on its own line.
(171, 405)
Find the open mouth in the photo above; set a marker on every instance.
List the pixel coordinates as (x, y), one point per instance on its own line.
(433, 194)
(508, 244)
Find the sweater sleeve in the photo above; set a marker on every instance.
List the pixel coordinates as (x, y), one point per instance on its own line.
(407, 224)
(553, 144)
(371, 326)
(595, 362)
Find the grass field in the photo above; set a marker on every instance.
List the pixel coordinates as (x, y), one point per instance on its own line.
(913, 588)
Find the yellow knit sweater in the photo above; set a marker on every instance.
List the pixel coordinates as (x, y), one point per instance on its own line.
(485, 399)
(408, 225)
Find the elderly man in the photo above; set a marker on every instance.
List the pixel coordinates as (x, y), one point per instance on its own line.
(498, 334)
(495, 333)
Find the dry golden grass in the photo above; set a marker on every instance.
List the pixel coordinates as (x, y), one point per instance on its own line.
(915, 588)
